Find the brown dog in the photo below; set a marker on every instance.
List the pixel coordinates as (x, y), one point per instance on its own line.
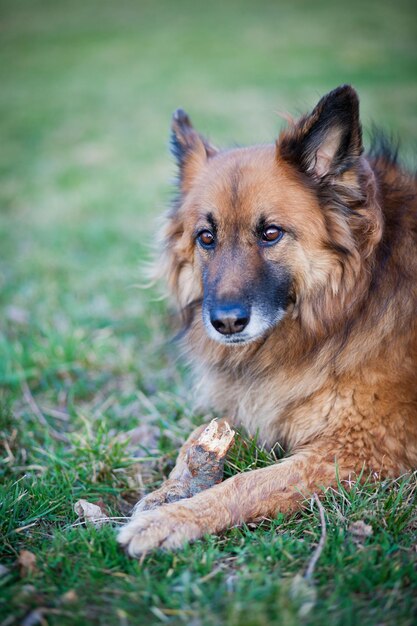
(295, 267)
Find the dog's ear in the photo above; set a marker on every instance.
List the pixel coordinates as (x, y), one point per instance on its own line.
(329, 140)
(189, 148)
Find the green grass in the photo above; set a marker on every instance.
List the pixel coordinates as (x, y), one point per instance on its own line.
(87, 90)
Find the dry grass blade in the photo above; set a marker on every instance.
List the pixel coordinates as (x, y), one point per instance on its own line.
(319, 549)
(30, 400)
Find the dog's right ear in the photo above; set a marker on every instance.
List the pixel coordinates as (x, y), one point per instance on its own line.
(189, 148)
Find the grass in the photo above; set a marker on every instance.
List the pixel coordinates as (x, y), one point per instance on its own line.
(87, 92)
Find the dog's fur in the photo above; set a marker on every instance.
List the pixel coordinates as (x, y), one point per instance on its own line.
(326, 361)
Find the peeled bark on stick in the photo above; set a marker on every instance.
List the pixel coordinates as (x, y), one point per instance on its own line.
(205, 457)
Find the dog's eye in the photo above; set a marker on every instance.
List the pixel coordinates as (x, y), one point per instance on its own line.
(205, 238)
(272, 234)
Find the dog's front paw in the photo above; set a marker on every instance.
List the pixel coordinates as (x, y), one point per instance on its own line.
(168, 527)
(171, 491)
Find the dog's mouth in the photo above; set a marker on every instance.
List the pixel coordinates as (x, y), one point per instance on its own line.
(231, 340)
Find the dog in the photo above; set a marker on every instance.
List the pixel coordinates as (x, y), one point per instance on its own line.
(295, 268)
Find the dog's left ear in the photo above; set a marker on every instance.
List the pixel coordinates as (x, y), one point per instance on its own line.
(189, 148)
(329, 140)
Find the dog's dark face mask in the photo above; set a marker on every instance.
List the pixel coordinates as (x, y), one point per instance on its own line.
(244, 294)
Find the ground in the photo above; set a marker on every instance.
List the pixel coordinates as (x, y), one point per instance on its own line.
(87, 91)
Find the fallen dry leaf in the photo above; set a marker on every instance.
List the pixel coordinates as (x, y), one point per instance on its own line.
(69, 597)
(90, 512)
(3, 570)
(359, 530)
(27, 563)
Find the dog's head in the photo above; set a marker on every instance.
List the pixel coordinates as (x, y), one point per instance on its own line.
(264, 232)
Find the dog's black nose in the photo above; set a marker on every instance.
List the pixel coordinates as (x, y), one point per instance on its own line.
(228, 319)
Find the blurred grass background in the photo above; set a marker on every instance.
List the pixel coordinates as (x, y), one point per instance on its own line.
(87, 90)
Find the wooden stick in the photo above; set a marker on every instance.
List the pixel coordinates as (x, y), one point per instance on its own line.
(205, 457)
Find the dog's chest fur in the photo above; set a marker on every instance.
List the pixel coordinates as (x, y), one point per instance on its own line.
(269, 407)
(358, 411)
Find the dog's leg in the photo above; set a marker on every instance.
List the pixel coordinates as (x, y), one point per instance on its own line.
(180, 483)
(243, 498)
